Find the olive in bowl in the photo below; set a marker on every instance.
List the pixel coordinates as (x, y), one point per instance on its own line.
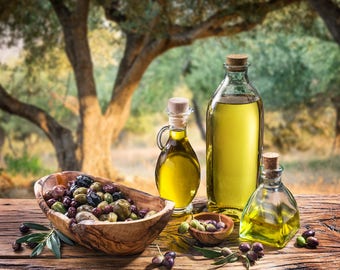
(210, 228)
(92, 220)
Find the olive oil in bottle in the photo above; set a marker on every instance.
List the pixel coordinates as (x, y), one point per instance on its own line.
(234, 140)
(177, 169)
(271, 215)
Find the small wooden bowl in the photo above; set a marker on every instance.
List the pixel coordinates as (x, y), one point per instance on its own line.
(119, 238)
(212, 238)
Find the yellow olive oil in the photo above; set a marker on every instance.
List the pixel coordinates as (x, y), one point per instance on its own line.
(233, 148)
(274, 229)
(178, 171)
(271, 215)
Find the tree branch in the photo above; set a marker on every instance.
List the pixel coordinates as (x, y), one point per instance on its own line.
(43, 120)
(330, 13)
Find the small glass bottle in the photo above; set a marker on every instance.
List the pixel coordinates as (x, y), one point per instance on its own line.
(177, 169)
(234, 140)
(271, 215)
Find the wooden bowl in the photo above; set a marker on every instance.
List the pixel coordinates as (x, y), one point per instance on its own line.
(119, 238)
(212, 238)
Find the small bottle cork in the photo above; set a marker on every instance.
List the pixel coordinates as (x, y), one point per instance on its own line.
(270, 160)
(237, 62)
(178, 105)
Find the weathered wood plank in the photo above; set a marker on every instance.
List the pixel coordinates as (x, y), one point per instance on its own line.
(322, 213)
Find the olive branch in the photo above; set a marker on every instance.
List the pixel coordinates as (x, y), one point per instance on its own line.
(52, 238)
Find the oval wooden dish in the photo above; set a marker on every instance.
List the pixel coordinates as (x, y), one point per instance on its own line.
(118, 238)
(212, 238)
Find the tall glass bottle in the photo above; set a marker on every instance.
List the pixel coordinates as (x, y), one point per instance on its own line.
(234, 140)
(271, 215)
(177, 169)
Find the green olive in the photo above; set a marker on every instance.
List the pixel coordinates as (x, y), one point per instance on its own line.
(201, 227)
(194, 223)
(59, 207)
(80, 198)
(101, 195)
(102, 204)
(80, 190)
(108, 197)
(183, 227)
(133, 216)
(112, 217)
(96, 186)
(301, 241)
(122, 208)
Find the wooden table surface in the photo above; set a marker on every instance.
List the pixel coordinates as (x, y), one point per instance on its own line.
(319, 212)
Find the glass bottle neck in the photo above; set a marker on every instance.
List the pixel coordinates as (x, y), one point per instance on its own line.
(178, 125)
(237, 76)
(271, 178)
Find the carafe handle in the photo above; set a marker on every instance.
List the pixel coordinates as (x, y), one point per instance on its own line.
(159, 136)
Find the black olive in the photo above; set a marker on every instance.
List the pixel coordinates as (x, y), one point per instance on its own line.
(252, 256)
(93, 199)
(257, 247)
(23, 228)
(244, 247)
(16, 246)
(168, 262)
(84, 181)
(73, 188)
(312, 242)
(308, 233)
(117, 196)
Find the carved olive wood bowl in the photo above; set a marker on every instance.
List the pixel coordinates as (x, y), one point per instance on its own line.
(118, 238)
(212, 238)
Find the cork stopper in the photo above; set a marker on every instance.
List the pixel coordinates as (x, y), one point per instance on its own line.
(178, 105)
(237, 62)
(270, 161)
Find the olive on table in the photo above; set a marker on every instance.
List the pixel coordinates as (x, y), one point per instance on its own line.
(23, 228)
(16, 246)
(312, 242)
(308, 233)
(244, 247)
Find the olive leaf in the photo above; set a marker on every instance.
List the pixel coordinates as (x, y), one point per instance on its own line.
(53, 243)
(38, 249)
(36, 226)
(33, 237)
(208, 253)
(64, 238)
(228, 259)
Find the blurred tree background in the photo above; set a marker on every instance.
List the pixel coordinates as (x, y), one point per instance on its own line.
(295, 65)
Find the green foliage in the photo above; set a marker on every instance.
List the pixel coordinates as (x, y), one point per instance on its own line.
(25, 164)
(329, 164)
(288, 67)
